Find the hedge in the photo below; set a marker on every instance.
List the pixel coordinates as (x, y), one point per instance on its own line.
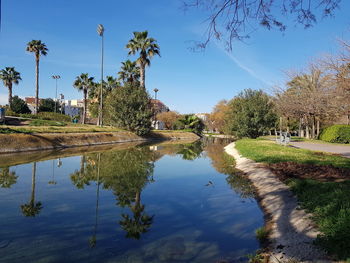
(336, 133)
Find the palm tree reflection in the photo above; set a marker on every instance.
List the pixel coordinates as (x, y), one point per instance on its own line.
(32, 208)
(7, 178)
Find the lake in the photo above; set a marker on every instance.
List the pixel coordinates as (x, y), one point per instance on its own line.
(145, 203)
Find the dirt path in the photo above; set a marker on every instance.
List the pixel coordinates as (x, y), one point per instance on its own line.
(292, 232)
(343, 150)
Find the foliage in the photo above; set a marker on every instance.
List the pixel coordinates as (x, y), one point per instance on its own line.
(169, 118)
(129, 72)
(46, 123)
(7, 178)
(47, 105)
(190, 121)
(129, 109)
(336, 134)
(330, 205)
(261, 234)
(191, 151)
(84, 83)
(250, 114)
(217, 118)
(147, 48)
(266, 151)
(236, 19)
(19, 106)
(10, 76)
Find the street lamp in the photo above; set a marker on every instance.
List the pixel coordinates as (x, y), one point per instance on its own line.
(100, 31)
(56, 77)
(155, 93)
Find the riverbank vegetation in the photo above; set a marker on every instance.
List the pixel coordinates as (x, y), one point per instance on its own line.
(321, 183)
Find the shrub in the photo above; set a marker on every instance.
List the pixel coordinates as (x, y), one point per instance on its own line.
(19, 106)
(261, 234)
(336, 133)
(52, 116)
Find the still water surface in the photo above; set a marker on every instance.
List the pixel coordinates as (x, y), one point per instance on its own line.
(165, 203)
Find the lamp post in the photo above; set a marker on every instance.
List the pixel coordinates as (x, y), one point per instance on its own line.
(56, 77)
(155, 93)
(100, 31)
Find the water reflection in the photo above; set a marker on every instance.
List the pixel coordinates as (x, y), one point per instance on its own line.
(32, 208)
(143, 204)
(7, 178)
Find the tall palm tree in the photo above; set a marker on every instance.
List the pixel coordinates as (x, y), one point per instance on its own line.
(10, 76)
(129, 72)
(32, 208)
(39, 49)
(84, 83)
(147, 48)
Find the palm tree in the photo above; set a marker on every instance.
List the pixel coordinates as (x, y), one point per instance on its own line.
(10, 76)
(129, 72)
(84, 83)
(111, 84)
(38, 48)
(32, 208)
(147, 47)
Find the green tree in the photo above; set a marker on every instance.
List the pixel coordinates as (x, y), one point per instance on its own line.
(19, 106)
(7, 178)
(147, 48)
(129, 109)
(47, 105)
(191, 121)
(84, 83)
(10, 76)
(129, 72)
(32, 208)
(39, 49)
(250, 114)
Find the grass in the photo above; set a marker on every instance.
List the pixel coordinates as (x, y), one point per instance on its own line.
(269, 152)
(261, 234)
(329, 202)
(48, 128)
(46, 123)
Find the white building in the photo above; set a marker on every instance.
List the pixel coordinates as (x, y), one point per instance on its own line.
(73, 107)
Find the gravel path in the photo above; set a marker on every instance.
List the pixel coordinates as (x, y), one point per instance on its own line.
(292, 232)
(343, 150)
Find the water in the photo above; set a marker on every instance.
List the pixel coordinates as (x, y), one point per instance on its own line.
(165, 203)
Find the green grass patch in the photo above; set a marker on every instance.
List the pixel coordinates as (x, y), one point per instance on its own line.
(269, 152)
(261, 234)
(329, 202)
(10, 131)
(46, 123)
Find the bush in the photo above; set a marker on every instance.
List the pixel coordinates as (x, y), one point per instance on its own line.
(19, 106)
(336, 133)
(52, 116)
(128, 108)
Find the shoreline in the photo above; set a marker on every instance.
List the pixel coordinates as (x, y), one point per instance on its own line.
(15, 143)
(291, 231)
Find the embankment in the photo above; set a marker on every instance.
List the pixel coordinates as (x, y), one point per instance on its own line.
(11, 143)
(292, 232)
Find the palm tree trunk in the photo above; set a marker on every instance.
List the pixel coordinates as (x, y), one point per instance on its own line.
(142, 75)
(32, 199)
(10, 95)
(85, 106)
(37, 85)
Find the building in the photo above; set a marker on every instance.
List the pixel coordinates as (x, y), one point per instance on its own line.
(31, 103)
(73, 107)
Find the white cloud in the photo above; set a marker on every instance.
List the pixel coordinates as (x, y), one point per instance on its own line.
(3, 99)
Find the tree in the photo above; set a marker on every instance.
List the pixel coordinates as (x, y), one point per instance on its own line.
(129, 72)
(169, 118)
(231, 20)
(47, 105)
(250, 114)
(192, 122)
(129, 109)
(147, 48)
(10, 76)
(39, 49)
(19, 106)
(217, 118)
(84, 83)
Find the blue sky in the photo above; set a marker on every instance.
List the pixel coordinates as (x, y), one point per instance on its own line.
(187, 81)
